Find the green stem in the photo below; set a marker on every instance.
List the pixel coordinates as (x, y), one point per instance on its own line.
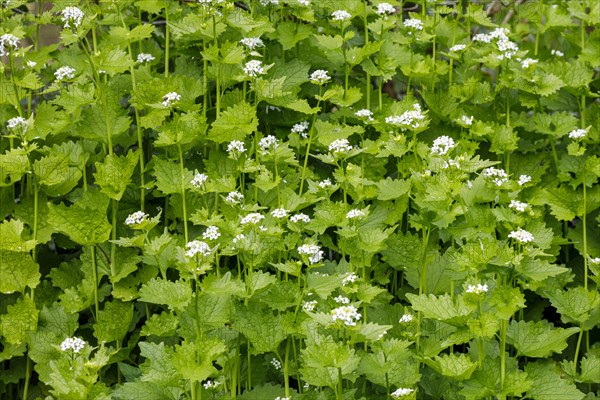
(310, 137)
(503, 327)
(95, 277)
(578, 347)
(286, 376)
(183, 201)
(167, 39)
(113, 246)
(340, 389)
(585, 249)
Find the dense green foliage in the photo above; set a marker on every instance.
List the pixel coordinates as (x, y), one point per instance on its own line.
(296, 199)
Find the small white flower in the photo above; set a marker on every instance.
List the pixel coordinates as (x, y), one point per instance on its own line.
(197, 247)
(517, 205)
(324, 184)
(405, 319)
(252, 218)
(341, 15)
(341, 300)
(350, 278)
(145, 58)
(279, 213)
(64, 72)
(355, 214)
(17, 122)
(477, 289)
(595, 260)
(521, 236)
(409, 119)
(385, 9)
(300, 218)
(268, 143)
(236, 146)
(170, 98)
(528, 62)
(364, 113)
(73, 343)
(8, 40)
(254, 68)
(234, 198)
(136, 218)
(347, 314)
(31, 64)
(577, 134)
(319, 77)
(457, 47)
(498, 176)
(309, 306)
(239, 238)
(301, 129)
(199, 180)
(252, 42)
(72, 14)
(282, 398)
(211, 233)
(468, 121)
(557, 53)
(482, 37)
(265, 3)
(402, 392)
(314, 252)
(523, 179)
(276, 363)
(211, 384)
(340, 146)
(414, 23)
(442, 145)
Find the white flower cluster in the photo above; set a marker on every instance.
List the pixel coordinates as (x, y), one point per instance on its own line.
(414, 23)
(577, 134)
(252, 218)
(405, 319)
(279, 213)
(341, 300)
(197, 247)
(31, 64)
(408, 119)
(72, 343)
(325, 183)
(355, 214)
(340, 146)
(211, 384)
(341, 15)
(300, 218)
(309, 306)
(528, 62)
(319, 77)
(477, 289)
(457, 47)
(239, 238)
(170, 98)
(8, 40)
(523, 179)
(265, 3)
(301, 128)
(136, 218)
(72, 14)
(145, 58)
(504, 45)
(517, 205)
(276, 363)
(234, 198)
(252, 42)
(402, 392)
(17, 122)
(364, 113)
(236, 146)
(350, 278)
(557, 53)
(521, 236)
(385, 9)
(64, 72)
(199, 180)
(347, 314)
(498, 176)
(314, 252)
(254, 68)
(268, 143)
(211, 233)
(442, 145)
(282, 398)
(468, 121)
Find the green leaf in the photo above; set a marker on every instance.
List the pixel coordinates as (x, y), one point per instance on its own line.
(163, 324)
(114, 174)
(13, 165)
(113, 321)
(194, 360)
(113, 61)
(177, 295)
(575, 305)
(60, 171)
(548, 383)
(458, 367)
(262, 329)
(386, 364)
(392, 189)
(146, 390)
(442, 308)
(538, 339)
(85, 221)
(235, 123)
(11, 237)
(168, 176)
(590, 367)
(20, 320)
(18, 271)
(100, 120)
(158, 366)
